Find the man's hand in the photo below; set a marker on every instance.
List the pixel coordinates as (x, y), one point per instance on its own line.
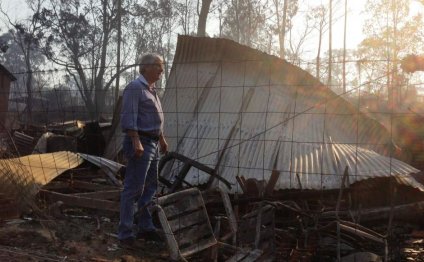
(163, 144)
(138, 147)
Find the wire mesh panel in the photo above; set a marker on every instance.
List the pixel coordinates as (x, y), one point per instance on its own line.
(257, 121)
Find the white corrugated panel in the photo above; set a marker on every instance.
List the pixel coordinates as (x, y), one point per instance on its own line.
(244, 112)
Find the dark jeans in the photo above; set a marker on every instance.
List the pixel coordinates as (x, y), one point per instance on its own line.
(141, 180)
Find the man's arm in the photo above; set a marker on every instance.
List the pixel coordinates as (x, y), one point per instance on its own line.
(129, 113)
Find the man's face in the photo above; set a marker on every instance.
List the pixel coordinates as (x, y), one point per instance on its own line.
(153, 71)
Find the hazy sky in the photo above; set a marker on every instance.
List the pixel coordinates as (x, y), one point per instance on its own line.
(16, 9)
(355, 20)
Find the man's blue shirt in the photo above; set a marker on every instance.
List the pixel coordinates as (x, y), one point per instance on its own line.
(141, 108)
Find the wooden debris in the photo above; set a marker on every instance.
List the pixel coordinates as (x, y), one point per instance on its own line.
(111, 176)
(106, 195)
(405, 212)
(77, 184)
(242, 182)
(79, 201)
(8, 208)
(306, 225)
(269, 189)
(362, 256)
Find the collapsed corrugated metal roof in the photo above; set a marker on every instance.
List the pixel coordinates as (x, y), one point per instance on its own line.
(39, 168)
(247, 113)
(43, 168)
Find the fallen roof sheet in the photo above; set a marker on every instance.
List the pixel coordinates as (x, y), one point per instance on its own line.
(40, 168)
(247, 113)
(102, 162)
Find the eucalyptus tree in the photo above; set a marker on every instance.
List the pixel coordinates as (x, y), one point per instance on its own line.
(318, 14)
(203, 16)
(186, 15)
(337, 74)
(392, 32)
(81, 37)
(285, 10)
(154, 25)
(244, 21)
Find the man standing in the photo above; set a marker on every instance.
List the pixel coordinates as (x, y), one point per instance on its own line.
(142, 123)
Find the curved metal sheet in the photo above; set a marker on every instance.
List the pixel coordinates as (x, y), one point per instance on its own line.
(39, 168)
(244, 112)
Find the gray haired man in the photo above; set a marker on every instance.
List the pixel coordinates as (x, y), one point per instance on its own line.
(142, 122)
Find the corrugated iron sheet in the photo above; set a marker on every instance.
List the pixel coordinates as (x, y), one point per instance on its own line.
(245, 113)
(39, 168)
(102, 162)
(24, 143)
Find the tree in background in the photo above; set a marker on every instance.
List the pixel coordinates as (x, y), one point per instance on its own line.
(79, 37)
(203, 16)
(244, 21)
(29, 86)
(318, 15)
(24, 39)
(153, 25)
(297, 39)
(285, 10)
(336, 83)
(186, 12)
(82, 36)
(391, 33)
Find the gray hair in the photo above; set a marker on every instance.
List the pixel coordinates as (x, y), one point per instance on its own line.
(148, 59)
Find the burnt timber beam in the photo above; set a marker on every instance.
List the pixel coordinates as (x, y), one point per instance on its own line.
(72, 200)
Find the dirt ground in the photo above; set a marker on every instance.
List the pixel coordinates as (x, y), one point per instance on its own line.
(80, 235)
(89, 235)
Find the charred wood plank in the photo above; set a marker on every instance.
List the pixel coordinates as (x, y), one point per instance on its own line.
(72, 200)
(242, 183)
(406, 211)
(106, 195)
(269, 189)
(77, 184)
